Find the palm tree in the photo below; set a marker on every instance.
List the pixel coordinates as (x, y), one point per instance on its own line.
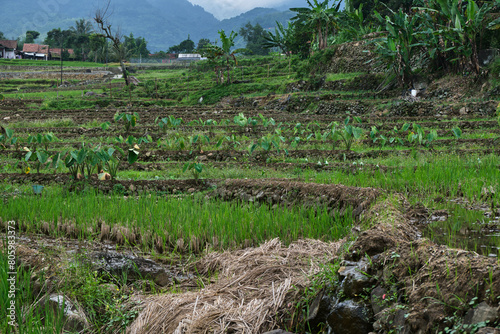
(82, 31)
(320, 18)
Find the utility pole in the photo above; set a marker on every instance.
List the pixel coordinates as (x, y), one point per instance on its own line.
(62, 45)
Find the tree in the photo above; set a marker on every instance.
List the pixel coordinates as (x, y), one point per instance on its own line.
(82, 30)
(136, 46)
(2, 36)
(31, 35)
(202, 43)
(321, 19)
(101, 18)
(214, 53)
(186, 46)
(97, 45)
(255, 36)
(60, 38)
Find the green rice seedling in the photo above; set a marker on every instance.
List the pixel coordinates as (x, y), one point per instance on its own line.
(172, 218)
(17, 299)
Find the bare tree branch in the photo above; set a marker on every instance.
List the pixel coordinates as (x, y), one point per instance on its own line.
(101, 18)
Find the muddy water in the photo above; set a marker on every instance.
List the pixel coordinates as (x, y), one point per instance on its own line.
(475, 229)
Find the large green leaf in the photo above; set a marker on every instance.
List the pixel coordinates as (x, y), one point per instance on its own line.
(133, 155)
(42, 157)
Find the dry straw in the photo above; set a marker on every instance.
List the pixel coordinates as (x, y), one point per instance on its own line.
(255, 287)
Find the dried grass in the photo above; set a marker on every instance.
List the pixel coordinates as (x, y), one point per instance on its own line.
(254, 287)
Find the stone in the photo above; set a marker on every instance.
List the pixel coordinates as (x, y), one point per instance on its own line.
(319, 310)
(481, 313)
(349, 317)
(377, 299)
(191, 190)
(131, 188)
(75, 319)
(463, 111)
(352, 278)
(488, 330)
(278, 331)
(134, 267)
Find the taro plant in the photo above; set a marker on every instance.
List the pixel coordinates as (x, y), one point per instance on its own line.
(168, 122)
(41, 157)
(332, 133)
(270, 141)
(419, 136)
(7, 137)
(243, 121)
(44, 140)
(267, 121)
(194, 168)
(350, 133)
(457, 133)
(129, 120)
(75, 161)
(376, 136)
(112, 160)
(197, 141)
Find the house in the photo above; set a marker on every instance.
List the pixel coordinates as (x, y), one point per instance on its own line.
(190, 57)
(36, 51)
(8, 49)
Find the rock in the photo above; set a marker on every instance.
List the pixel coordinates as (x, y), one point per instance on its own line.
(75, 319)
(6, 118)
(278, 331)
(134, 267)
(131, 188)
(483, 312)
(319, 310)
(349, 318)
(463, 111)
(191, 190)
(488, 330)
(352, 278)
(377, 299)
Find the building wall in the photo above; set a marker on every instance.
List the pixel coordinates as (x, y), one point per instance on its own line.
(10, 55)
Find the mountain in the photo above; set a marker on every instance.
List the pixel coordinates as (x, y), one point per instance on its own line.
(163, 23)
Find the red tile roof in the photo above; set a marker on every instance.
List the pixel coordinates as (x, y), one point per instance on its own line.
(9, 44)
(36, 48)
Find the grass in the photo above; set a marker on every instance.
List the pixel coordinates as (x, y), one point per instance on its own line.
(27, 319)
(50, 63)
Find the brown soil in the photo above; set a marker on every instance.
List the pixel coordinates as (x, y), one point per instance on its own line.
(432, 281)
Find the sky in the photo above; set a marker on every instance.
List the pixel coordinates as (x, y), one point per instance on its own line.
(223, 9)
